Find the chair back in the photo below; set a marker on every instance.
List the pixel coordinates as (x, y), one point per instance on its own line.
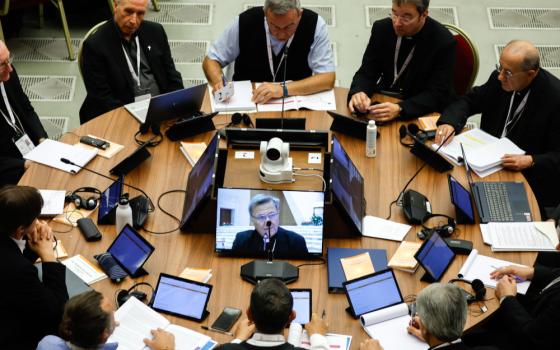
(90, 32)
(466, 60)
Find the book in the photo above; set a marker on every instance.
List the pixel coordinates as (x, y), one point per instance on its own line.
(403, 259)
(334, 268)
(196, 274)
(479, 266)
(192, 151)
(388, 325)
(136, 320)
(357, 266)
(320, 101)
(88, 272)
(49, 152)
(375, 227)
(520, 236)
(298, 337)
(241, 101)
(53, 202)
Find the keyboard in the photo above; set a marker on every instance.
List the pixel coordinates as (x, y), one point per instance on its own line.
(498, 201)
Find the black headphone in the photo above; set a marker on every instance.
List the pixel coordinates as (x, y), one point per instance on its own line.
(444, 230)
(477, 286)
(84, 203)
(154, 141)
(414, 131)
(124, 294)
(238, 118)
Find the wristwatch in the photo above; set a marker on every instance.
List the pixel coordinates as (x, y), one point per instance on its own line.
(285, 90)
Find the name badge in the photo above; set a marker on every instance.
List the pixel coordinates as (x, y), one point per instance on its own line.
(142, 97)
(24, 144)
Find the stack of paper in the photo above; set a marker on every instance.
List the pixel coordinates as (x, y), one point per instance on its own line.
(357, 266)
(49, 152)
(520, 236)
(88, 272)
(239, 102)
(320, 101)
(196, 274)
(136, 320)
(403, 259)
(380, 228)
(53, 202)
(192, 151)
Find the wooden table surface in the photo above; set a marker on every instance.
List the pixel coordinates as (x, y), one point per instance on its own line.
(167, 169)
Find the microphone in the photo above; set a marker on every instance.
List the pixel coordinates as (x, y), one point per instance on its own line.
(284, 85)
(68, 161)
(269, 245)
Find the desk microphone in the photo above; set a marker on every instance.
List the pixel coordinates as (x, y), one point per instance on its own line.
(284, 85)
(148, 204)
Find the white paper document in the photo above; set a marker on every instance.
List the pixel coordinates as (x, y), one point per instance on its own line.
(375, 227)
(320, 101)
(53, 202)
(389, 327)
(49, 153)
(136, 320)
(84, 269)
(521, 236)
(471, 140)
(480, 266)
(239, 102)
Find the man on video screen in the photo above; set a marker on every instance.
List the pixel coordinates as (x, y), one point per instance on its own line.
(265, 216)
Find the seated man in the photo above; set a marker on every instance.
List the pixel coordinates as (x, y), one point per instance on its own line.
(265, 216)
(270, 310)
(88, 322)
(31, 307)
(409, 55)
(126, 59)
(519, 101)
(20, 127)
(258, 42)
(523, 321)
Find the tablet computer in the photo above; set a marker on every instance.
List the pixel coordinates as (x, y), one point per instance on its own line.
(372, 292)
(435, 256)
(302, 305)
(181, 297)
(131, 251)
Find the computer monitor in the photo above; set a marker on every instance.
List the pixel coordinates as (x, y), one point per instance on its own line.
(295, 223)
(199, 182)
(434, 256)
(347, 184)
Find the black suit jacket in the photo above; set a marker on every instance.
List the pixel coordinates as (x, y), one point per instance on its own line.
(463, 346)
(428, 80)
(287, 244)
(11, 160)
(537, 131)
(108, 81)
(532, 321)
(30, 308)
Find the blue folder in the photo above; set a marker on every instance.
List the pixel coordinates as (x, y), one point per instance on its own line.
(334, 267)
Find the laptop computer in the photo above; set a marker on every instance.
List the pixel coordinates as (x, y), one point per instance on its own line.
(498, 201)
(179, 103)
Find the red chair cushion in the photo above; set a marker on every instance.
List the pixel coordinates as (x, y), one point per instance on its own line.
(464, 65)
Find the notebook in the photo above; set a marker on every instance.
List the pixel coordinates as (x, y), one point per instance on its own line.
(498, 201)
(181, 297)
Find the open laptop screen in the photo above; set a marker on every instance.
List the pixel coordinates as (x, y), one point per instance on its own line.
(109, 200)
(373, 292)
(181, 297)
(461, 198)
(130, 250)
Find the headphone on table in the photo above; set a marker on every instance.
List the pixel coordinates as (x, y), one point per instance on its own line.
(477, 286)
(444, 230)
(414, 131)
(80, 202)
(238, 118)
(124, 294)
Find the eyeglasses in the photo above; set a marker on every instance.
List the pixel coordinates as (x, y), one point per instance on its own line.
(405, 19)
(506, 72)
(265, 217)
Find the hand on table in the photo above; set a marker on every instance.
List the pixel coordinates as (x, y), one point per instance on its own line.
(244, 330)
(444, 132)
(517, 162)
(162, 340)
(370, 344)
(267, 91)
(523, 272)
(384, 112)
(359, 103)
(414, 328)
(317, 325)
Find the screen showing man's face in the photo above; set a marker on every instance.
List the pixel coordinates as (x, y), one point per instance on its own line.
(263, 213)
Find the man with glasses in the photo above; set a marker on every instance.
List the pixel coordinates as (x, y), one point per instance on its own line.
(519, 101)
(265, 216)
(20, 127)
(258, 41)
(409, 56)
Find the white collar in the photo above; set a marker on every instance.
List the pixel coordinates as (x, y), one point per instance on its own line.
(266, 340)
(20, 243)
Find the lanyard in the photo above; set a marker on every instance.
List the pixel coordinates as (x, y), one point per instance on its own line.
(12, 121)
(269, 51)
(135, 76)
(444, 345)
(397, 75)
(554, 281)
(510, 123)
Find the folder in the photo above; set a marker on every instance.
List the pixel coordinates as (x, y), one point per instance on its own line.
(334, 268)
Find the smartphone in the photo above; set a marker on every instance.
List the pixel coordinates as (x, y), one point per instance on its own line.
(227, 319)
(302, 305)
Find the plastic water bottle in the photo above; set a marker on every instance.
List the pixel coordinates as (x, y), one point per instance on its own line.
(123, 215)
(371, 139)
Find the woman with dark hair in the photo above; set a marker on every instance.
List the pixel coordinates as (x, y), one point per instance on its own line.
(31, 307)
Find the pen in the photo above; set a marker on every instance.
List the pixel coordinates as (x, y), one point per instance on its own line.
(216, 330)
(517, 278)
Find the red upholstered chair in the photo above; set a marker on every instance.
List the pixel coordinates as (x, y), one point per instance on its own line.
(466, 60)
(23, 4)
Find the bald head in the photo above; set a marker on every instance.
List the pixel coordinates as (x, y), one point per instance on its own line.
(524, 52)
(5, 62)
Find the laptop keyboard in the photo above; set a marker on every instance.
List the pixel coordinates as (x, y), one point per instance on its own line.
(498, 201)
